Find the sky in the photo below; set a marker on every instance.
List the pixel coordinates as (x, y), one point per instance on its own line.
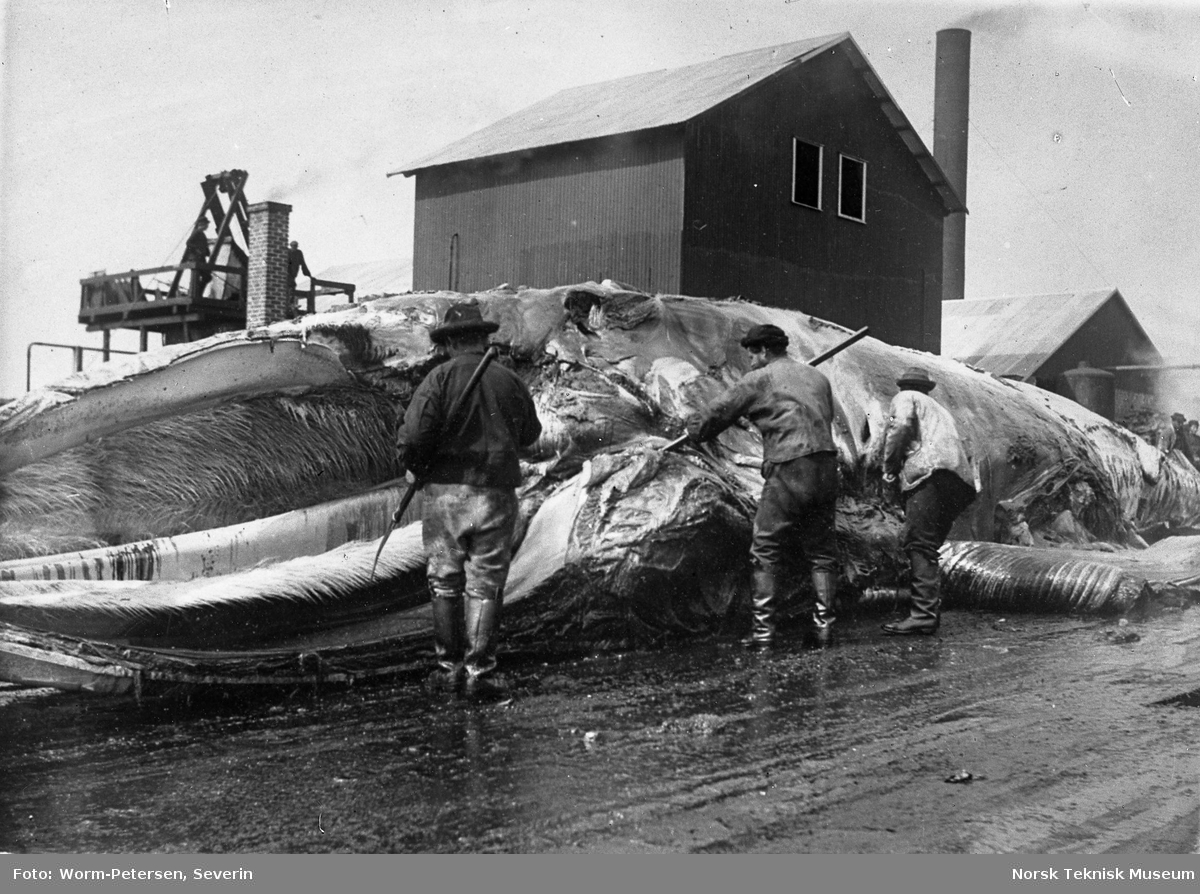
(1084, 126)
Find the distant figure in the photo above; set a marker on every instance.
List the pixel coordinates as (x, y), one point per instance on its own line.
(1162, 434)
(196, 252)
(296, 263)
(1182, 444)
(922, 449)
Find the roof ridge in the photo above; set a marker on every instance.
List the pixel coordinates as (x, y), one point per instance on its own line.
(810, 42)
(1106, 291)
(468, 146)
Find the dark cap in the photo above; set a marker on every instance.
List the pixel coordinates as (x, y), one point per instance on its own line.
(462, 319)
(915, 377)
(766, 335)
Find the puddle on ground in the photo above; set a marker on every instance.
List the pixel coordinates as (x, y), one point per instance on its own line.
(388, 767)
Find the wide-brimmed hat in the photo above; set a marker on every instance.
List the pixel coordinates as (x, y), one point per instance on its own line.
(915, 377)
(462, 319)
(765, 335)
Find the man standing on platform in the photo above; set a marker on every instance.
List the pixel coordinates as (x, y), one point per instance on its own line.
(196, 252)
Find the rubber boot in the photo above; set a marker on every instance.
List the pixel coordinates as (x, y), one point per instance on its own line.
(762, 611)
(482, 618)
(924, 615)
(447, 641)
(824, 608)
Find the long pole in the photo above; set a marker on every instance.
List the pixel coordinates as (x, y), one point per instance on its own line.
(820, 358)
(451, 418)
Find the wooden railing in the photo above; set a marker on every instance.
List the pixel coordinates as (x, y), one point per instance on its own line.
(137, 290)
(109, 290)
(322, 287)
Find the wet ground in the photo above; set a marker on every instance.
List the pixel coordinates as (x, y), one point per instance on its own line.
(1077, 735)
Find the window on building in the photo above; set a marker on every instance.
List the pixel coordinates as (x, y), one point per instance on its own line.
(852, 195)
(806, 174)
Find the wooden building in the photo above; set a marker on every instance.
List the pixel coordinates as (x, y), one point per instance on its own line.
(1082, 345)
(786, 175)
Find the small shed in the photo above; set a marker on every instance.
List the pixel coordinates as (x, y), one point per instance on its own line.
(1054, 340)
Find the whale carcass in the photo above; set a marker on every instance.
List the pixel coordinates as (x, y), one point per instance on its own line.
(223, 499)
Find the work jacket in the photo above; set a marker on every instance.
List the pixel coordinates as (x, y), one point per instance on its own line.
(197, 247)
(920, 438)
(790, 403)
(481, 449)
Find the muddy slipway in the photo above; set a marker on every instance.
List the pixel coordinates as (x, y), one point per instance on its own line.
(1079, 735)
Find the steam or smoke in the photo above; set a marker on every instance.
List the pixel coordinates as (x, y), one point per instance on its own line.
(1178, 391)
(1011, 20)
(305, 181)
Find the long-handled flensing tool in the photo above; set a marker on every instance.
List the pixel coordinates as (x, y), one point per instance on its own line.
(820, 358)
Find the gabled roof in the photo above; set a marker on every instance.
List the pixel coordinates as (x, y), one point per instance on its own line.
(1016, 336)
(670, 97)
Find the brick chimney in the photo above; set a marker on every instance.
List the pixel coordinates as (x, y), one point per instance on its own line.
(267, 285)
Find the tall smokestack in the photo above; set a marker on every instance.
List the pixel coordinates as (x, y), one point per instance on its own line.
(951, 97)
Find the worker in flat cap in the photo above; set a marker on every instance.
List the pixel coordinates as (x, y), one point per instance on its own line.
(923, 452)
(470, 471)
(791, 404)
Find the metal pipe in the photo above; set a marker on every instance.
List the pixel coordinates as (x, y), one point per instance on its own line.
(951, 118)
(77, 356)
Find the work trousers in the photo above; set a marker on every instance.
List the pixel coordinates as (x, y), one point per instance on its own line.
(467, 532)
(798, 508)
(930, 509)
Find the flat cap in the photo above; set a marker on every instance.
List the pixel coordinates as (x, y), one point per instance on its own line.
(766, 335)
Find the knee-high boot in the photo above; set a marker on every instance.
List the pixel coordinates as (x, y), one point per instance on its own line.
(447, 639)
(762, 611)
(482, 617)
(824, 608)
(924, 615)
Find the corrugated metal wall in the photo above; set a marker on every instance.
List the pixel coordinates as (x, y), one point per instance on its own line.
(563, 214)
(743, 235)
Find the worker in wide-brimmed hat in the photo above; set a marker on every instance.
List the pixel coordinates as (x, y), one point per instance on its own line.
(791, 404)
(469, 470)
(922, 450)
